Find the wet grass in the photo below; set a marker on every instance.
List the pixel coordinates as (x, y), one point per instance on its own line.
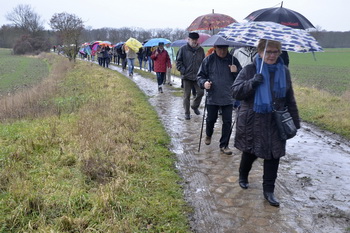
(98, 163)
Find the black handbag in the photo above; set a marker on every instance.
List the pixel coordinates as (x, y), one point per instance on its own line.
(285, 124)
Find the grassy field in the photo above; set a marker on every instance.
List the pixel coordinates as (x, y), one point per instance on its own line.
(322, 88)
(19, 71)
(93, 158)
(330, 71)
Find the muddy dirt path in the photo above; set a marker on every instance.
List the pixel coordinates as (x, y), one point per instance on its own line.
(313, 182)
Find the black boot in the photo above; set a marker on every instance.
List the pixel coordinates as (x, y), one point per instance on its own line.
(243, 182)
(270, 197)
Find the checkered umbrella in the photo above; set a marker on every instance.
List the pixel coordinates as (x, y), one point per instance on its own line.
(249, 33)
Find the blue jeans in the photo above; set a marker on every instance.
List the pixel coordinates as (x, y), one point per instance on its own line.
(140, 62)
(131, 65)
(150, 64)
(160, 78)
(226, 122)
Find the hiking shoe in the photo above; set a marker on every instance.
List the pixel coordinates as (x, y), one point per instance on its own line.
(160, 89)
(207, 140)
(187, 116)
(196, 111)
(226, 150)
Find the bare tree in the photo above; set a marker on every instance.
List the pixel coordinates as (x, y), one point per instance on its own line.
(69, 27)
(24, 17)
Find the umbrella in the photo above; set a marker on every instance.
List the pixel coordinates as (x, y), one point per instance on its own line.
(105, 44)
(210, 22)
(155, 41)
(250, 33)
(179, 43)
(219, 40)
(133, 44)
(203, 37)
(281, 15)
(119, 44)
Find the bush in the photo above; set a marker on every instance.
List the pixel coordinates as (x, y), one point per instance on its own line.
(29, 45)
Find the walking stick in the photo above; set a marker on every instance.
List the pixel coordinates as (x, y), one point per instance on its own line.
(205, 106)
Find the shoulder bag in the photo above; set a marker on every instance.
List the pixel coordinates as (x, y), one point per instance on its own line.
(285, 124)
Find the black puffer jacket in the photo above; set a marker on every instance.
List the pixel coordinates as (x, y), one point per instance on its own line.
(217, 70)
(188, 61)
(257, 133)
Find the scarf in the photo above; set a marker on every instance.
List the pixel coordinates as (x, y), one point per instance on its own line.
(263, 99)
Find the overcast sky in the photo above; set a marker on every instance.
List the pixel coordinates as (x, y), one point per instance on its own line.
(153, 14)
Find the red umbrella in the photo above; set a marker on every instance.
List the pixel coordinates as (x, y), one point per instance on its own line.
(210, 22)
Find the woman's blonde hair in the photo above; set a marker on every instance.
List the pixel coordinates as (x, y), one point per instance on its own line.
(271, 43)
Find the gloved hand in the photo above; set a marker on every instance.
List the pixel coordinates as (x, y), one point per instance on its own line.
(257, 80)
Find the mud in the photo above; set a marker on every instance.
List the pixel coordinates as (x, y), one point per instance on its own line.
(313, 182)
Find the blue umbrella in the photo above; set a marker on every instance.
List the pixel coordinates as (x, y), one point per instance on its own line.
(178, 43)
(119, 45)
(155, 41)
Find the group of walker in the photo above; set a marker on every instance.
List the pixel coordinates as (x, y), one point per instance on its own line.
(256, 77)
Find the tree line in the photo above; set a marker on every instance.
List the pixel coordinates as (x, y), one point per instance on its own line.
(27, 34)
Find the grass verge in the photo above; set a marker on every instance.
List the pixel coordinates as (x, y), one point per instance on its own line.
(99, 163)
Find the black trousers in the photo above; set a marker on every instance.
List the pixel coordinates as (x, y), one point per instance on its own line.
(226, 122)
(270, 170)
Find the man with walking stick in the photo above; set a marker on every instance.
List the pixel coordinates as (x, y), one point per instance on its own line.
(216, 74)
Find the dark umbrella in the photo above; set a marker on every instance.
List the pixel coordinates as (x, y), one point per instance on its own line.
(281, 15)
(178, 43)
(219, 40)
(210, 22)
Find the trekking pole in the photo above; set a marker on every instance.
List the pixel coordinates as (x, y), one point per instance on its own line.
(205, 106)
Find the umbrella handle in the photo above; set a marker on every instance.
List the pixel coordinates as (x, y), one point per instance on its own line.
(262, 62)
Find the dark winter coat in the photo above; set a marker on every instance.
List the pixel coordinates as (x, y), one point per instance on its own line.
(257, 133)
(188, 61)
(161, 60)
(217, 70)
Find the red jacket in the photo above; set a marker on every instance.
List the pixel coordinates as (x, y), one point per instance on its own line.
(161, 60)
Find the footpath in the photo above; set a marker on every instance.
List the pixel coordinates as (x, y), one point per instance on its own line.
(313, 182)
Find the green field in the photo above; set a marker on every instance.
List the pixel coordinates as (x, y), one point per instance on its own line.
(330, 71)
(19, 71)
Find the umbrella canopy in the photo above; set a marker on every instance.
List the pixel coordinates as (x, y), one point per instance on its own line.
(179, 43)
(281, 15)
(155, 41)
(203, 37)
(119, 44)
(133, 44)
(210, 22)
(219, 40)
(105, 44)
(250, 33)
(95, 46)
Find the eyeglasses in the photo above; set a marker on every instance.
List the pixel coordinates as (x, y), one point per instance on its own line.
(276, 52)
